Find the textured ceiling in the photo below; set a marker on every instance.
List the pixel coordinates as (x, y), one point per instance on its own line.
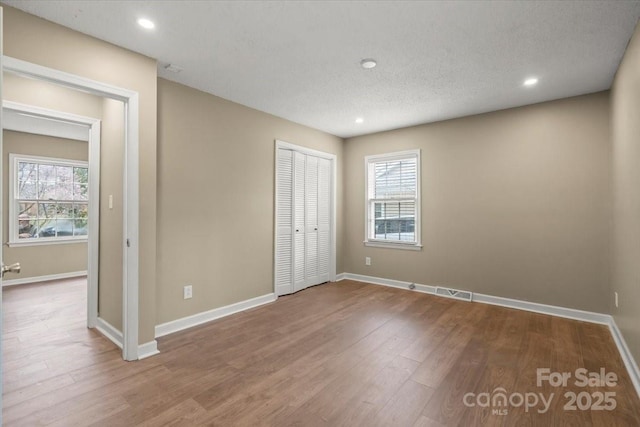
(300, 60)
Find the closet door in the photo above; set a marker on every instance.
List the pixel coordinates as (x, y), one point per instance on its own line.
(299, 186)
(284, 223)
(303, 221)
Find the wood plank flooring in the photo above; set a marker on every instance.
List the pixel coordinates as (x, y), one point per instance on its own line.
(340, 354)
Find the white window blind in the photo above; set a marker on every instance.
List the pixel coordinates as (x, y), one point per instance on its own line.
(393, 199)
(49, 199)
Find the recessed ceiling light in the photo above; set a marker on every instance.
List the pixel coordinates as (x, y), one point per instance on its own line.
(531, 81)
(359, 120)
(368, 63)
(145, 23)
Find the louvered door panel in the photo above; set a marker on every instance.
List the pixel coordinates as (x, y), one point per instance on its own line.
(311, 220)
(324, 218)
(284, 219)
(299, 177)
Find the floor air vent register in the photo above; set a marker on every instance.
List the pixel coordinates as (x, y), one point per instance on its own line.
(454, 293)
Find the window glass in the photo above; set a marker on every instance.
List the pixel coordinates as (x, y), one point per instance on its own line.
(50, 199)
(393, 198)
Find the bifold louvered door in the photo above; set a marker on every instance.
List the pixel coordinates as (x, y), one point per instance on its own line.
(303, 221)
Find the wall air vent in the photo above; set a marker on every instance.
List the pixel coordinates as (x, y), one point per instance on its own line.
(454, 293)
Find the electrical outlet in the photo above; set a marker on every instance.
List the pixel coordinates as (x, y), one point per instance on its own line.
(188, 292)
(616, 296)
(367, 260)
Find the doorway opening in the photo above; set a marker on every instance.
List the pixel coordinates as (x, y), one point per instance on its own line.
(52, 197)
(128, 239)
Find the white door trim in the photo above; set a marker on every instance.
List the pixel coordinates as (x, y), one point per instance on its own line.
(1, 123)
(332, 222)
(93, 140)
(130, 180)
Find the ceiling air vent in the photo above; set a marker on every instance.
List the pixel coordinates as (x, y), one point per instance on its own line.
(454, 293)
(173, 68)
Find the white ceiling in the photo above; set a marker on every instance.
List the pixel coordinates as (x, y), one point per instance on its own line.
(300, 60)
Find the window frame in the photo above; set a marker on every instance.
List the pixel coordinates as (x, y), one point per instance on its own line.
(14, 204)
(395, 244)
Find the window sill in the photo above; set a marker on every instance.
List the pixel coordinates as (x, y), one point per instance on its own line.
(388, 245)
(41, 242)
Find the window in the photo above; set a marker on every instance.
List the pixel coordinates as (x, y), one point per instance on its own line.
(48, 200)
(393, 200)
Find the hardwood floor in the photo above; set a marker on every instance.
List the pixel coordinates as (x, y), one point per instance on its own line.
(340, 354)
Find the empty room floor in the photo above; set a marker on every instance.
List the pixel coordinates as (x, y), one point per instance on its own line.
(344, 353)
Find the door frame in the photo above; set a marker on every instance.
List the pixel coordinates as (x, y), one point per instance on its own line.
(93, 143)
(130, 241)
(332, 211)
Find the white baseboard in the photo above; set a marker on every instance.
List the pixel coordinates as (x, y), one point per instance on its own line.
(627, 357)
(339, 277)
(207, 316)
(109, 331)
(389, 282)
(148, 349)
(569, 313)
(48, 277)
(115, 336)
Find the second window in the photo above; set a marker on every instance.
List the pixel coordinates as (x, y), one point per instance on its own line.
(393, 199)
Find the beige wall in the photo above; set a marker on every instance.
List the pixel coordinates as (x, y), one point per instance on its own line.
(46, 95)
(625, 248)
(40, 260)
(514, 204)
(216, 198)
(35, 40)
